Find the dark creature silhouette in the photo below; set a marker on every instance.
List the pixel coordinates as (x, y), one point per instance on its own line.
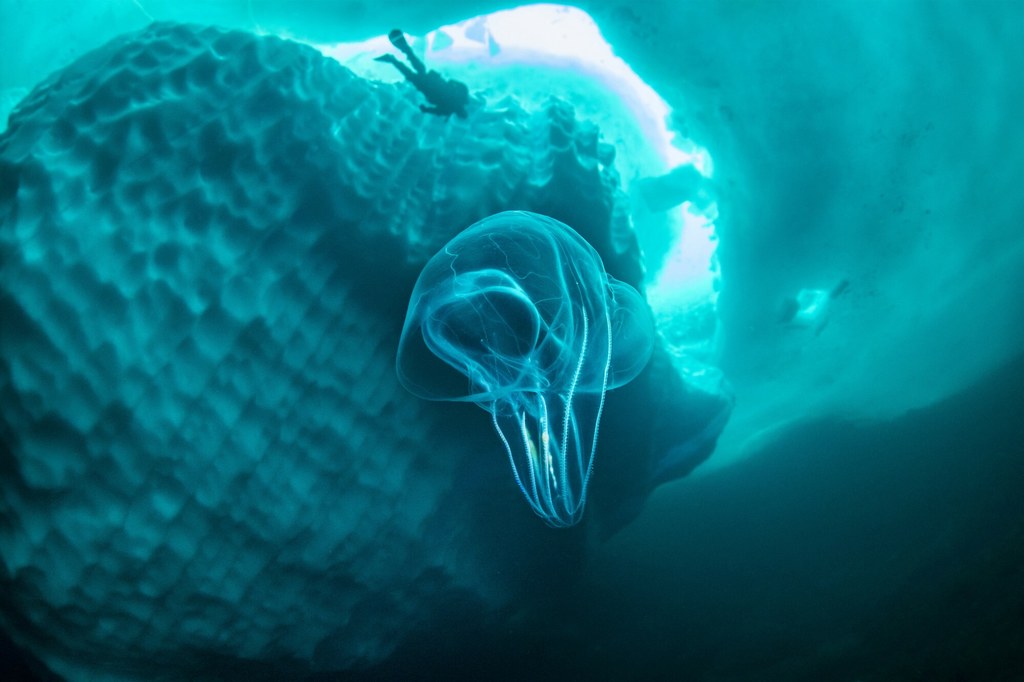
(447, 96)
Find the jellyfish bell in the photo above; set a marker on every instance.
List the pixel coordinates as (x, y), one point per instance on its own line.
(517, 314)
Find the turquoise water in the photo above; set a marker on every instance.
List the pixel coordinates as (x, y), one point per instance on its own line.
(210, 230)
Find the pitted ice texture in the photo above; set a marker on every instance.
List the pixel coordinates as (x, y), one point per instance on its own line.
(207, 240)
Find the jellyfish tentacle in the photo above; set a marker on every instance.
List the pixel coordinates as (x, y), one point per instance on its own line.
(567, 417)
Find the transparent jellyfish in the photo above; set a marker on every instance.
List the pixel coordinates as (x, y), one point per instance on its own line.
(517, 314)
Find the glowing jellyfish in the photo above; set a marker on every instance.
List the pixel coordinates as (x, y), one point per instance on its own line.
(517, 314)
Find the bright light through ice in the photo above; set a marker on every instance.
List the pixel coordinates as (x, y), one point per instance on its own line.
(537, 51)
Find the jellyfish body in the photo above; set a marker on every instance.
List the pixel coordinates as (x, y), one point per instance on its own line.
(517, 314)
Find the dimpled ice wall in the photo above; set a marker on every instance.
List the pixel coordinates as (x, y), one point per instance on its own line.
(206, 245)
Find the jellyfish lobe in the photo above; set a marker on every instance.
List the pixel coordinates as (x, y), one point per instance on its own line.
(517, 314)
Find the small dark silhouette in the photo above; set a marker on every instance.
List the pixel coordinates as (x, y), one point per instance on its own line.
(447, 96)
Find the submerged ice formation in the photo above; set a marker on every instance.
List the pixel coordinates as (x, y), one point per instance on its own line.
(207, 240)
(520, 307)
(537, 49)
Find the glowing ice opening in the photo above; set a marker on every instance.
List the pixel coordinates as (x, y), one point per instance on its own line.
(538, 51)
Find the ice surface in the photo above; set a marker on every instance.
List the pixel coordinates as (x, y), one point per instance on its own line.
(874, 143)
(208, 240)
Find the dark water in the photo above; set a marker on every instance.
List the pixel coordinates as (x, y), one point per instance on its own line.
(843, 552)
